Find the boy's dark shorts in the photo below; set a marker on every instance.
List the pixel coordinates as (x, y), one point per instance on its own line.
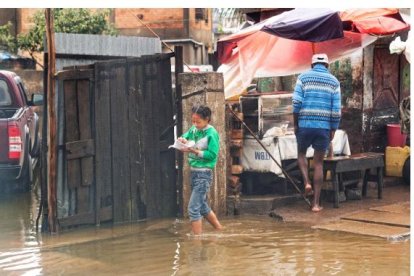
(317, 137)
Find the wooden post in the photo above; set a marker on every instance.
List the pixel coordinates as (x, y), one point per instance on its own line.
(179, 107)
(52, 128)
(207, 88)
(43, 157)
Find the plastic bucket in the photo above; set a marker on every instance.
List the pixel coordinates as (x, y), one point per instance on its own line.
(394, 136)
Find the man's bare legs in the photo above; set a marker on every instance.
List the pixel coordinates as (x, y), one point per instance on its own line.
(317, 176)
(303, 166)
(317, 179)
(212, 219)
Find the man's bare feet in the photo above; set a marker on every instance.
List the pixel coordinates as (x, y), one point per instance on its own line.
(308, 189)
(317, 208)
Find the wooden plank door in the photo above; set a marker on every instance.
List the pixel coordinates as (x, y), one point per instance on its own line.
(79, 148)
(118, 125)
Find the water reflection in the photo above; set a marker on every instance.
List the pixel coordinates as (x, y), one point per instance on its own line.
(247, 246)
(19, 242)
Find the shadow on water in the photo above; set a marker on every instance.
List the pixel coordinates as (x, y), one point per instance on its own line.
(248, 245)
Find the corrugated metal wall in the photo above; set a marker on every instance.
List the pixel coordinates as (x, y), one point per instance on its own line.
(71, 47)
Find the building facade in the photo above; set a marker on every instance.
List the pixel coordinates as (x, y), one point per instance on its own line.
(188, 27)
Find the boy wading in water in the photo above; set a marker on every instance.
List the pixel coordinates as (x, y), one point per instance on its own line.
(316, 115)
(202, 159)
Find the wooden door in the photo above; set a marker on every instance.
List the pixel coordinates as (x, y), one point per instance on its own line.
(135, 171)
(77, 188)
(117, 125)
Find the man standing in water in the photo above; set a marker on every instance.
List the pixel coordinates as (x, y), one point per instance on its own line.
(316, 116)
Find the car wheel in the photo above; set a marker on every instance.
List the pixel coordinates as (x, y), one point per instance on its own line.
(35, 148)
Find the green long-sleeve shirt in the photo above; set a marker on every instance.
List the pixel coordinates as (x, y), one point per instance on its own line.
(207, 141)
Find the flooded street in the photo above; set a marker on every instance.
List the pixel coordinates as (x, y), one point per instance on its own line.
(248, 246)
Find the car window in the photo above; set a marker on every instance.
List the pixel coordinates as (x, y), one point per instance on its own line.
(5, 97)
(22, 92)
(22, 89)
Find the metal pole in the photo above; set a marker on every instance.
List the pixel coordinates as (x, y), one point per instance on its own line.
(271, 156)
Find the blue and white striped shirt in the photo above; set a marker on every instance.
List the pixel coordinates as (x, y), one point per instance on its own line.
(317, 99)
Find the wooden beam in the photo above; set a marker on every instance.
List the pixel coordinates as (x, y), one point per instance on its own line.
(80, 149)
(52, 128)
(76, 74)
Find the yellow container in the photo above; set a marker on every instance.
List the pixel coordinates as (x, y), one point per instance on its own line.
(394, 160)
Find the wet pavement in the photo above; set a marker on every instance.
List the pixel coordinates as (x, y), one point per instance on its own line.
(395, 192)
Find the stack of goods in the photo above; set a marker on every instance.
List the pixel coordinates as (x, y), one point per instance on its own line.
(236, 147)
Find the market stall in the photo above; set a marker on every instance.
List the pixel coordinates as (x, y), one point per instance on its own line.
(282, 46)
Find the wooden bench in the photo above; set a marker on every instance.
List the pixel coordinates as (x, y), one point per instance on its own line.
(363, 162)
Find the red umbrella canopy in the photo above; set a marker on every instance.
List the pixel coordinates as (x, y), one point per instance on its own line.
(312, 25)
(373, 21)
(284, 44)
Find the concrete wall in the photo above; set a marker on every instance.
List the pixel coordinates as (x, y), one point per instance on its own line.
(7, 15)
(201, 30)
(167, 23)
(207, 89)
(349, 71)
(170, 24)
(24, 19)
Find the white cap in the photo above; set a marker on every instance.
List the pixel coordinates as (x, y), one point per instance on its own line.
(323, 58)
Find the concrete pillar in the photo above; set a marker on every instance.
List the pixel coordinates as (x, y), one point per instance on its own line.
(206, 89)
(367, 104)
(368, 68)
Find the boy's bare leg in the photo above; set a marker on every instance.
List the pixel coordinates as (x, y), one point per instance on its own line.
(317, 179)
(303, 166)
(212, 219)
(197, 227)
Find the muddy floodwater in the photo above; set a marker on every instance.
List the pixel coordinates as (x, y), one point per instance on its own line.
(248, 246)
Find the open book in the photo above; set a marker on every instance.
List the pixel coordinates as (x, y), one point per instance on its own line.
(180, 146)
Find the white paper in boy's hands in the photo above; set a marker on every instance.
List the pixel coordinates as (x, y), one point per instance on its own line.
(180, 145)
